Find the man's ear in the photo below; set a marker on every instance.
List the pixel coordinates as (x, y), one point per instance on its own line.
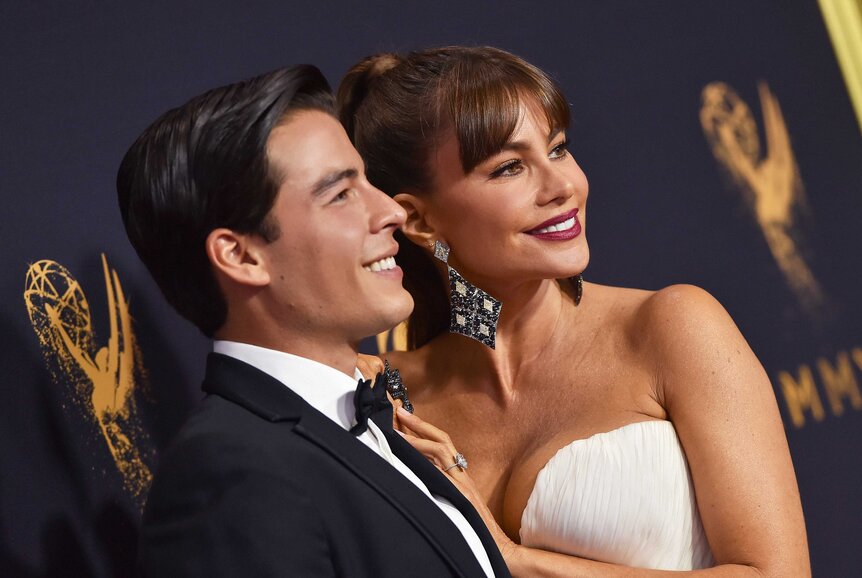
(237, 256)
(416, 228)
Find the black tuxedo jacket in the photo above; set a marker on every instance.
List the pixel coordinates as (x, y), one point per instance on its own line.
(259, 483)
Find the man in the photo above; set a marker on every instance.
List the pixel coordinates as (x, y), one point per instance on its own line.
(250, 208)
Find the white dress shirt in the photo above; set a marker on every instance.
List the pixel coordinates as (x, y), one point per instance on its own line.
(331, 392)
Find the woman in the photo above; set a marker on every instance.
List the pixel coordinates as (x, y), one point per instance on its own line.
(627, 429)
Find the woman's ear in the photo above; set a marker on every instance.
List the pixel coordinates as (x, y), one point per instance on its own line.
(416, 228)
(237, 256)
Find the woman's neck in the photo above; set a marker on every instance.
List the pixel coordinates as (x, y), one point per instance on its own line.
(529, 318)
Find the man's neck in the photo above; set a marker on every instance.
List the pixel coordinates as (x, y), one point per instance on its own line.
(338, 355)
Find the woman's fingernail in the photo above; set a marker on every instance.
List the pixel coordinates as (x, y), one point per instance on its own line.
(402, 412)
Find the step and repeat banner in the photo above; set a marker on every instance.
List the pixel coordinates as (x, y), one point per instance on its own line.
(721, 144)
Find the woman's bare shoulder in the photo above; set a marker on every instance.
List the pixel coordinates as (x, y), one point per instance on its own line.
(613, 296)
(661, 318)
(687, 331)
(615, 305)
(681, 308)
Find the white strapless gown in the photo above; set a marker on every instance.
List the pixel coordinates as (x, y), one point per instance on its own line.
(623, 497)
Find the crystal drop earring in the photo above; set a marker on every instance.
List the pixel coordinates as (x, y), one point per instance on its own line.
(473, 313)
(578, 280)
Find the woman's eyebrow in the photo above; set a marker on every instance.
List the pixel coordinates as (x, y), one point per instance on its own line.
(521, 145)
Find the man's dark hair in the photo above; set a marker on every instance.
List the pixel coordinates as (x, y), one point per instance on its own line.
(202, 166)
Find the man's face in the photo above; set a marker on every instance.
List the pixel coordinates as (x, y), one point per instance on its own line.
(332, 270)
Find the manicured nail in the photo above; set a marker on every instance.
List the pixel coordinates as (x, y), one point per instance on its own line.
(403, 412)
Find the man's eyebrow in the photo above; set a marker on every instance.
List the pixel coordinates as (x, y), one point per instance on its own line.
(331, 179)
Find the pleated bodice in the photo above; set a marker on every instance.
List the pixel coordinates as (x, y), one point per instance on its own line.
(623, 497)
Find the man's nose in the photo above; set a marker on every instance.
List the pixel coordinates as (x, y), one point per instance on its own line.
(385, 212)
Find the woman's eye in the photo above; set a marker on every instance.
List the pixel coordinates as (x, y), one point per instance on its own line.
(560, 151)
(507, 169)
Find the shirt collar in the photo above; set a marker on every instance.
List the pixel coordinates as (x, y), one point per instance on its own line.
(325, 388)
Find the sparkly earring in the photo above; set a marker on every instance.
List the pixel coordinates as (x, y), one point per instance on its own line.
(579, 287)
(474, 313)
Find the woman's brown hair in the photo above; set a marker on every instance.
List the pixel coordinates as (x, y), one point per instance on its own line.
(398, 109)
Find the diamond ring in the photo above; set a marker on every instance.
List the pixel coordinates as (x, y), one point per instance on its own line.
(460, 463)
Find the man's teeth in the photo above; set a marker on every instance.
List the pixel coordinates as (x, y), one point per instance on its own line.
(564, 226)
(384, 264)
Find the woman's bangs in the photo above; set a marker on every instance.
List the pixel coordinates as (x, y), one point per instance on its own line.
(486, 111)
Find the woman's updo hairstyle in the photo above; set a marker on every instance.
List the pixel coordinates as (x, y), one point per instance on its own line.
(397, 110)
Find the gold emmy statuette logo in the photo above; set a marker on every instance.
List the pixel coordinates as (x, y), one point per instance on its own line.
(102, 378)
(769, 182)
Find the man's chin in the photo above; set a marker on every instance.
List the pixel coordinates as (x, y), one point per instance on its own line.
(402, 315)
(394, 314)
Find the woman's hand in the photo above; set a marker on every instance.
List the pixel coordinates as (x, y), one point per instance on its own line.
(369, 365)
(436, 445)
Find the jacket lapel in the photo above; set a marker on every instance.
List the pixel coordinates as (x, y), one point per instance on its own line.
(439, 485)
(267, 397)
(397, 490)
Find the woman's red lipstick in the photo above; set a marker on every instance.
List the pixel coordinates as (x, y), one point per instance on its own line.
(569, 223)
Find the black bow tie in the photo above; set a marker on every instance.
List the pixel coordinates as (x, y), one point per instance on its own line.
(371, 402)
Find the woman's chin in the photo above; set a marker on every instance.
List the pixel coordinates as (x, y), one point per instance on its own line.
(570, 269)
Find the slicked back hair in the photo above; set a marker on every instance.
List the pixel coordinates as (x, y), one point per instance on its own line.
(202, 166)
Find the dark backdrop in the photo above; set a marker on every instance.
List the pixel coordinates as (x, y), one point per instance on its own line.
(668, 204)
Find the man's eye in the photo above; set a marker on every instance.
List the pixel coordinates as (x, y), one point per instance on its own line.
(342, 196)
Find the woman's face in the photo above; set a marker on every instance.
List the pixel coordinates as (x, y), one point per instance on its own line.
(520, 215)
